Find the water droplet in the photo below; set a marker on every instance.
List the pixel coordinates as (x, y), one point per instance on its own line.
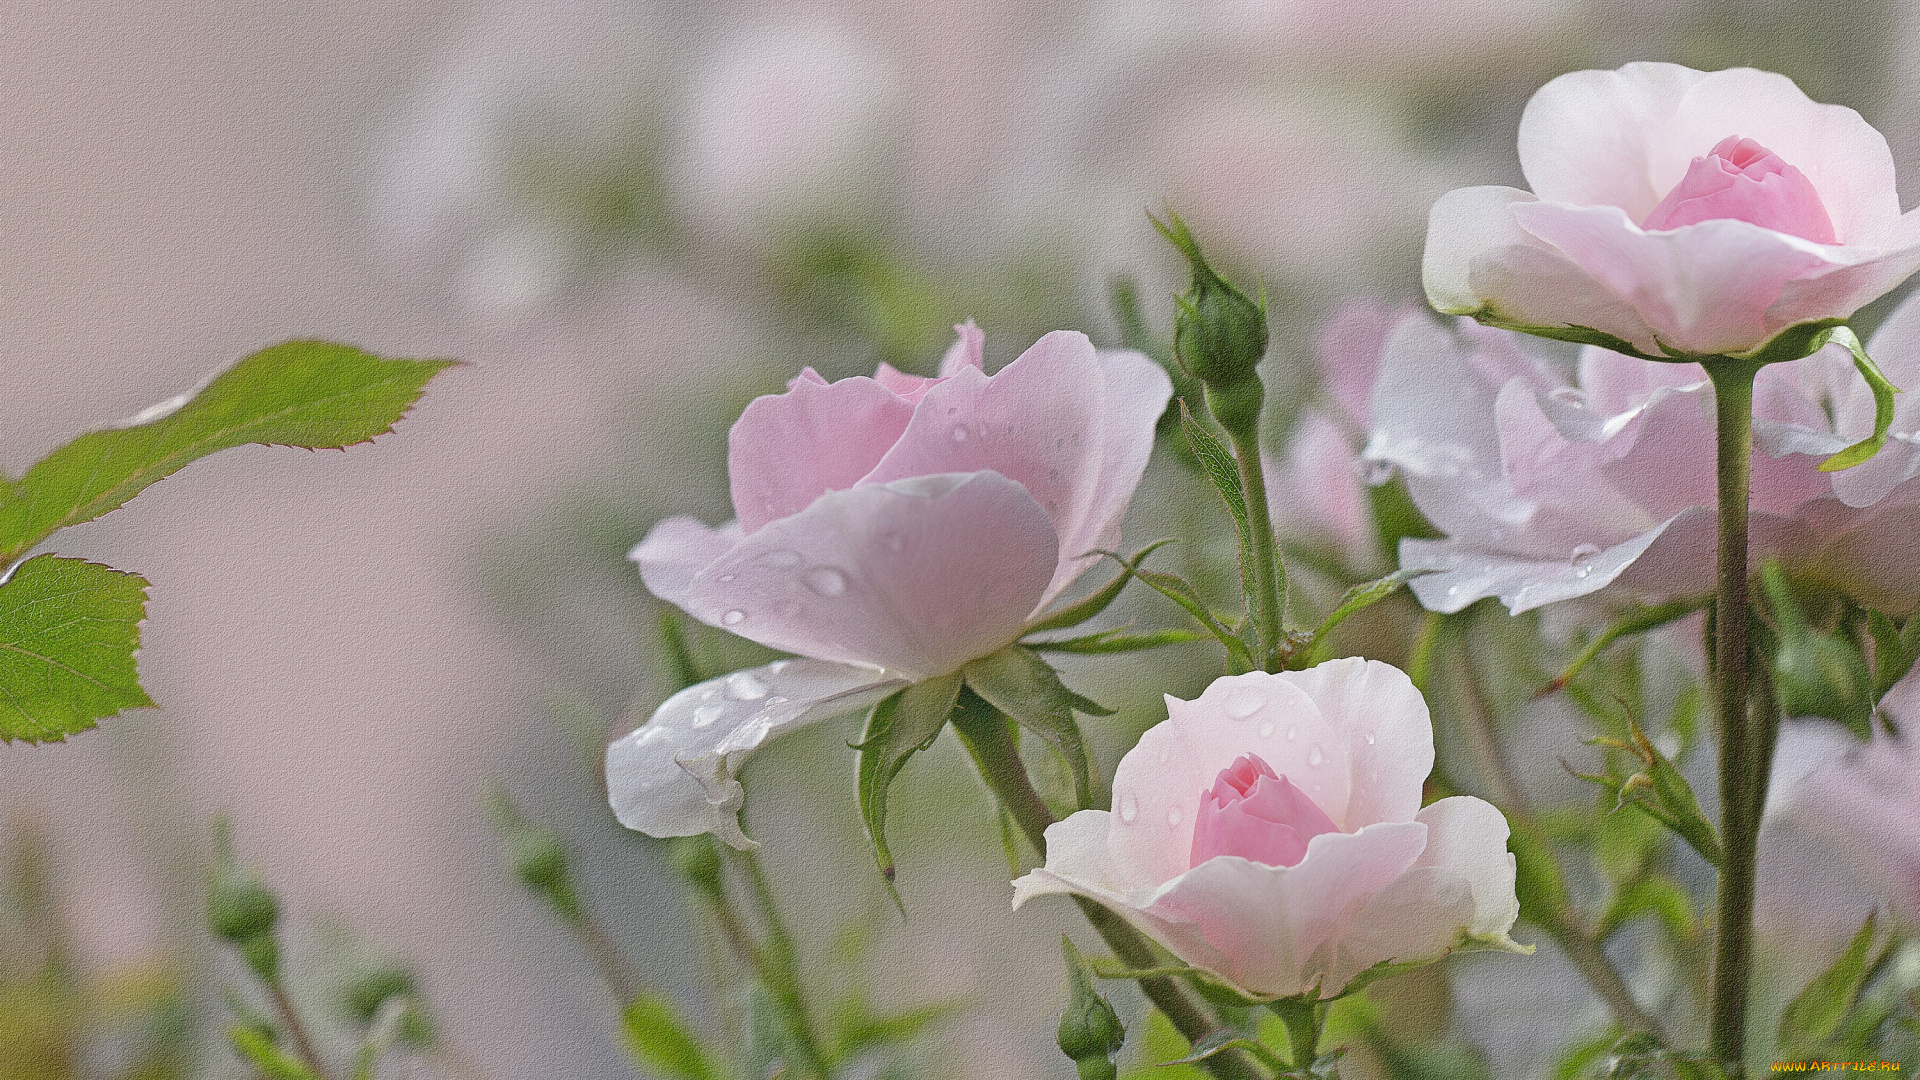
(775, 700)
(959, 434)
(1369, 740)
(1244, 703)
(953, 410)
(1571, 394)
(733, 618)
(825, 580)
(709, 693)
(724, 578)
(1129, 809)
(1293, 732)
(705, 715)
(892, 540)
(1582, 559)
(1173, 816)
(1316, 756)
(1376, 472)
(745, 686)
(778, 666)
(780, 558)
(1266, 729)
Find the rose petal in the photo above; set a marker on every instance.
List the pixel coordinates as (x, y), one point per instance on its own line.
(674, 775)
(1586, 137)
(1277, 929)
(1157, 787)
(918, 576)
(787, 450)
(678, 548)
(1462, 574)
(1389, 735)
(1705, 289)
(1463, 882)
(1072, 425)
(1479, 259)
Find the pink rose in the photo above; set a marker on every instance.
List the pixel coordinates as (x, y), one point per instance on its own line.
(890, 529)
(1549, 487)
(1271, 833)
(1680, 211)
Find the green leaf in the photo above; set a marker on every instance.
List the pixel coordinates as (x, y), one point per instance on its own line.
(1220, 468)
(1020, 684)
(1229, 1039)
(1652, 894)
(897, 728)
(1356, 599)
(1176, 589)
(1118, 641)
(266, 1055)
(1895, 649)
(1075, 614)
(1817, 1012)
(1815, 673)
(309, 394)
(68, 632)
(1579, 335)
(1883, 391)
(1637, 621)
(1659, 790)
(660, 1043)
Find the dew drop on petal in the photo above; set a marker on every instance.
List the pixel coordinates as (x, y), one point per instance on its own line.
(745, 686)
(959, 434)
(1376, 473)
(1266, 729)
(1293, 732)
(775, 700)
(1174, 817)
(1369, 740)
(705, 715)
(1244, 702)
(1582, 559)
(1316, 756)
(825, 580)
(1129, 809)
(724, 578)
(733, 618)
(778, 666)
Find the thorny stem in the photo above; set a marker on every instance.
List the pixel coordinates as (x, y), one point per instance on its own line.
(1560, 921)
(994, 751)
(1742, 773)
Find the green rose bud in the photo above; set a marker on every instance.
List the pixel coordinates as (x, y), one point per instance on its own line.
(1219, 333)
(1090, 1032)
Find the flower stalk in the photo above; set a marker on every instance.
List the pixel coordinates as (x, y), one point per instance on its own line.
(1742, 771)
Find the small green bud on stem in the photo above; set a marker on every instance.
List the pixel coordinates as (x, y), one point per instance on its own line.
(1219, 334)
(241, 910)
(1090, 1031)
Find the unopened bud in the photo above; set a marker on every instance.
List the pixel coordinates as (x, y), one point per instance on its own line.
(1090, 1031)
(1219, 333)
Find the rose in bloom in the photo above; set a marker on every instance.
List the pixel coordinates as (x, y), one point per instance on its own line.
(1549, 487)
(889, 529)
(1679, 211)
(1271, 833)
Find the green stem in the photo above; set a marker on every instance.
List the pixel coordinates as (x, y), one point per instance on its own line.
(986, 737)
(1267, 577)
(1740, 774)
(778, 970)
(296, 1030)
(1303, 1019)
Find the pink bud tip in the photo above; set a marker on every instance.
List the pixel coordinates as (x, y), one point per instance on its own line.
(1742, 180)
(1257, 815)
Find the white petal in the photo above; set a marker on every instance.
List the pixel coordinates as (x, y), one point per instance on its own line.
(674, 775)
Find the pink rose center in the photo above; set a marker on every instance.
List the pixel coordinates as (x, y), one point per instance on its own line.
(1252, 813)
(1742, 180)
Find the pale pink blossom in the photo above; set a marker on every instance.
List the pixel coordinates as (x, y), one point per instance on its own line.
(1682, 212)
(889, 529)
(1270, 832)
(1550, 485)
